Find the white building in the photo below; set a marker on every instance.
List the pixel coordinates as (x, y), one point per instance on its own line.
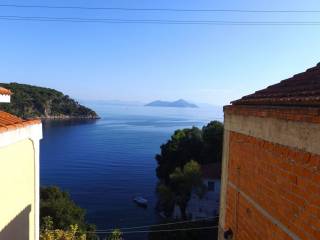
(19, 175)
(5, 95)
(208, 205)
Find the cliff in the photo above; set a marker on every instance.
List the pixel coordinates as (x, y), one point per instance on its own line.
(30, 101)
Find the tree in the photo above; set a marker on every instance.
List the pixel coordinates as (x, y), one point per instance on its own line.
(204, 146)
(47, 232)
(212, 135)
(166, 199)
(183, 182)
(184, 145)
(31, 101)
(63, 212)
(116, 235)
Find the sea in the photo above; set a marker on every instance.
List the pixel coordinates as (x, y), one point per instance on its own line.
(105, 163)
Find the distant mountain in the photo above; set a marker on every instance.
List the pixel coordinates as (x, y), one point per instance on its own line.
(178, 104)
(30, 101)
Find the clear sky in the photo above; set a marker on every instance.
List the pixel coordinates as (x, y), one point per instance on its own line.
(201, 63)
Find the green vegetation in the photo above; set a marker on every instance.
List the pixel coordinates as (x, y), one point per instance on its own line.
(30, 101)
(178, 164)
(47, 232)
(202, 145)
(116, 235)
(182, 182)
(58, 211)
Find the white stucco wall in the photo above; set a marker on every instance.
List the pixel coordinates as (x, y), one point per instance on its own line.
(4, 98)
(19, 182)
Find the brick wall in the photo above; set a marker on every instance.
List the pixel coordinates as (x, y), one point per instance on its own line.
(272, 190)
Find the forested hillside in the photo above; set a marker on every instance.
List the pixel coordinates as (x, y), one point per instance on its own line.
(30, 101)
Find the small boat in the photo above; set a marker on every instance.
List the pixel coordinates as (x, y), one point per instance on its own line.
(141, 201)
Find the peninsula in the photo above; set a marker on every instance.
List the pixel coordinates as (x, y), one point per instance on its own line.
(30, 101)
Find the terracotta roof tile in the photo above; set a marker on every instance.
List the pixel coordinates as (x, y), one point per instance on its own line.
(4, 91)
(10, 122)
(302, 89)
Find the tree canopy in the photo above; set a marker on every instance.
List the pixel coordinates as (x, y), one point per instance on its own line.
(30, 101)
(47, 232)
(212, 135)
(62, 211)
(202, 145)
(183, 182)
(179, 163)
(115, 235)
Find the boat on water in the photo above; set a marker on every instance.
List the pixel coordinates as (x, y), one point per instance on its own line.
(140, 201)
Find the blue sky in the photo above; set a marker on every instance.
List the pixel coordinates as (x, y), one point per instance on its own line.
(135, 62)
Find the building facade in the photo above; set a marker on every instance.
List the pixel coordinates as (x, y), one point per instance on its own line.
(5, 95)
(19, 175)
(271, 162)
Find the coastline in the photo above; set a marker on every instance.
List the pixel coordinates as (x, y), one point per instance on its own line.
(66, 118)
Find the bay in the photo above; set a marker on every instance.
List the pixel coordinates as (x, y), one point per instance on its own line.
(103, 164)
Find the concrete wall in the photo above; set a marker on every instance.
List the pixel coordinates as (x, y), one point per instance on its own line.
(17, 191)
(271, 175)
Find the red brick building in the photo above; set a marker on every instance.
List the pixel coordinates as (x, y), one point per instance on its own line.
(271, 162)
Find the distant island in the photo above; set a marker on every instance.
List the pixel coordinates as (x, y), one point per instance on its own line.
(30, 101)
(178, 104)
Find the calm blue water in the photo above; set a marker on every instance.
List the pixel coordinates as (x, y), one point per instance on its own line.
(105, 163)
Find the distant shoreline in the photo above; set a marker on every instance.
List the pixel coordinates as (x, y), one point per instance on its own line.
(62, 118)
